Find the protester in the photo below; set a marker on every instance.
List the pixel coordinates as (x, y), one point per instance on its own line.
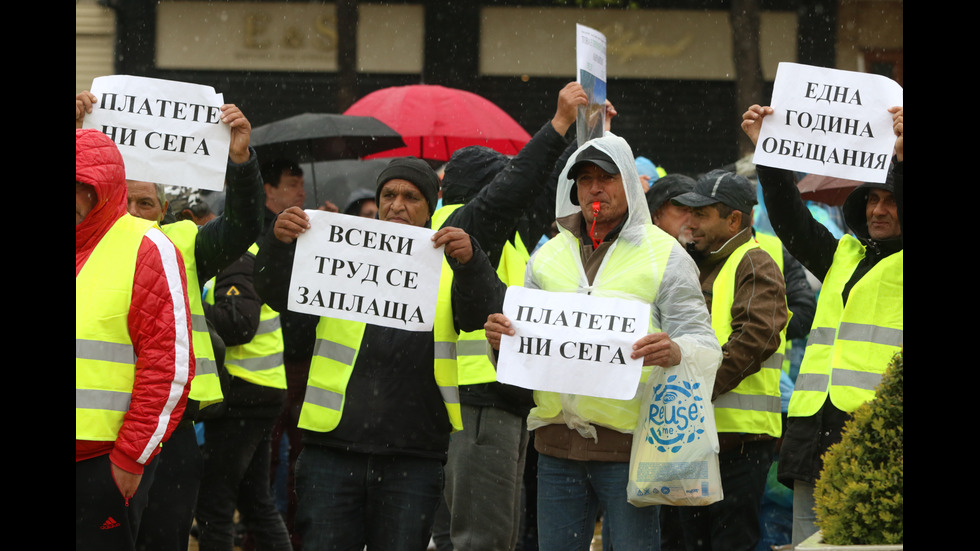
(745, 293)
(237, 449)
(649, 172)
(862, 279)
(205, 251)
(667, 215)
(134, 360)
(607, 249)
(284, 188)
(361, 203)
(188, 204)
(381, 449)
(506, 205)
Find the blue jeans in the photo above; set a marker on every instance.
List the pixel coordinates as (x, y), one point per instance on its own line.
(570, 495)
(348, 500)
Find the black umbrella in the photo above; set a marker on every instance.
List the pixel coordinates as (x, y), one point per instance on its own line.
(338, 179)
(312, 137)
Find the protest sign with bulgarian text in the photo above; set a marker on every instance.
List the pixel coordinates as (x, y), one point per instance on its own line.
(830, 122)
(168, 132)
(366, 270)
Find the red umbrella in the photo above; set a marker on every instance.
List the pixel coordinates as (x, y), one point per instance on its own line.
(434, 121)
(826, 189)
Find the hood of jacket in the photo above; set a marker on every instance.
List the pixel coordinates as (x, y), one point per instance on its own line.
(99, 164)
(637, 216)
(855, 207)
(468, 171)
(355, 199)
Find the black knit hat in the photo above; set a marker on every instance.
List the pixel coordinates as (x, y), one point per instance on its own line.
(416, 171)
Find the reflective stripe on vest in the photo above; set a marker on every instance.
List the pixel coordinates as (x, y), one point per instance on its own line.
(772, 245)
(105, 361)
(260, 360)
(754, 405)
(474, 366)
(205, 386)
(850, 345)
(335, 354)
(628, 271)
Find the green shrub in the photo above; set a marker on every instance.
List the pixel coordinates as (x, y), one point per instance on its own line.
(859, 494)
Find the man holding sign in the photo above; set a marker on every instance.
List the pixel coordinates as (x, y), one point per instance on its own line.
(859, 321)
(206, 250)
(381, 400)
(607, 247)
(746, 295)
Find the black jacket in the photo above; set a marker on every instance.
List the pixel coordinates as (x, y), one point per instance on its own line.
(393, 405)
(502, 200)
(235, 317)
(227, 237)
(805, 439)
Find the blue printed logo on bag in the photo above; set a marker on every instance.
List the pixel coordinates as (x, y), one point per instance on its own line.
(677, 415)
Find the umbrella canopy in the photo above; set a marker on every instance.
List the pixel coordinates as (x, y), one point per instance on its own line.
(435, 121)
(312, 137)
(335, 180)
(826, 189)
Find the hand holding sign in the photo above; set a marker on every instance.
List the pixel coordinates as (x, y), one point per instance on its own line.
(570, 98)
(241, 132)
(610, 113)
(657, 349)
(457, 242)
(752, 121)
(84, 101)
(897, 115)
(496, 326)
(290, 224)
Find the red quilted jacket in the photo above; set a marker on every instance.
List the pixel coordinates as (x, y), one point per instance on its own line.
(159, 316)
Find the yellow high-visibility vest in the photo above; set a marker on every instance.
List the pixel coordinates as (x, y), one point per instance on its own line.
(772, 245)
(205, 387)
(632, 272)
(753, 406)
(260, 360)
(850, 345)
(338, 343)
(471, 349)
(105, 360)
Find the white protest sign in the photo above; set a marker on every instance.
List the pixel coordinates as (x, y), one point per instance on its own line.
(168, 132)
(590, 57)
(830, 122)
(572, 343)
(360, 269)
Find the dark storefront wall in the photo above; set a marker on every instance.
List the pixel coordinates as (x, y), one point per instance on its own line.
(687, 126)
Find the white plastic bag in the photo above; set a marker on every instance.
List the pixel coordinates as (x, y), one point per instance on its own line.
(674, 460)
